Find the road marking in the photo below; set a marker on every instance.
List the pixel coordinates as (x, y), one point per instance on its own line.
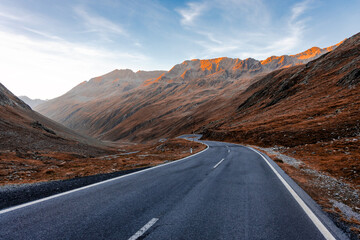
(95, 184)
(324, 231)
(144, 229)
(218, 163)
(228, 150)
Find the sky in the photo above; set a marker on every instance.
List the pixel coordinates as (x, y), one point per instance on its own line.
(48, 47)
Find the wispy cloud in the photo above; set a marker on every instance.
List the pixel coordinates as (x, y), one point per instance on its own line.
(99, 24)
(299, 9)
(17, 15)
(43, 34)
(258, 35)
(252, 12)
(221, 37)
(191, 12)
(295, 28)
(10, 16)
(53, 66)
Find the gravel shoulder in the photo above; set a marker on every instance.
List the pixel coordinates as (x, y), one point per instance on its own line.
(337, 198)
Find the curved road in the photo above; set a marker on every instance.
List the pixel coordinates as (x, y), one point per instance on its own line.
(225, 192)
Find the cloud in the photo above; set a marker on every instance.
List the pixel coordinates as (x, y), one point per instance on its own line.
(251, 12)
(13, 16)
(10, 16)
(43, 34)
(213, 24)
(98, 24)
(242, 28)
(299, 9)
(45, 68)
(295, 30)
(193, 10)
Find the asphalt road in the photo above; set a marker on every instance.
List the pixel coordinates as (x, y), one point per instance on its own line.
(225, 192)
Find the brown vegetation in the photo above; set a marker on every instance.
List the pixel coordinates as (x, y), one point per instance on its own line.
(36, 166)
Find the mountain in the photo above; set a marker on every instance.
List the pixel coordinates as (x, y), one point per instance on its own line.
(31, 102)
(95, 91)
(305, 104)
(147, 105)
(236, 68)
(285, 61)
(23, 129)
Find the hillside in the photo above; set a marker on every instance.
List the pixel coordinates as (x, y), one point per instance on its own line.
(22, 129)
(111, 107)
(318, 101)
(66, 108)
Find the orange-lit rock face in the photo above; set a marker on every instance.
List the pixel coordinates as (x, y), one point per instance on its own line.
(215, 64)
(206, 65)
(185, 74)
(331, 48)
(153, 80)
(311, 53)
(286, 61)
(268, 60)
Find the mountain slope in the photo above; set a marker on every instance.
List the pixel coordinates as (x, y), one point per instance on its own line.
(100, 109)
(22, 129)
(111, 85)
(319, 99)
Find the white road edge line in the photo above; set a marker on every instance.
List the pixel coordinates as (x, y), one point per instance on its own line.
(324, 231)
(95, 184)
(143, 229)
(218, 163)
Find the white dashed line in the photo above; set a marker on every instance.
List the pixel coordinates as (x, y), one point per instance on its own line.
(218, 163)
(144, 229)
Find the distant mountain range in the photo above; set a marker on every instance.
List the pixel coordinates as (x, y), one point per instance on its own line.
(146, 105)
(31, 102)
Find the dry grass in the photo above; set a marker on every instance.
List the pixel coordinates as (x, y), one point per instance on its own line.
(29, 167)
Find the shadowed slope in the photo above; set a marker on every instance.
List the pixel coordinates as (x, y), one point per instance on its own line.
(22, 129)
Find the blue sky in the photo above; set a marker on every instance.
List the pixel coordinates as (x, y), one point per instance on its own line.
(49, 46)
